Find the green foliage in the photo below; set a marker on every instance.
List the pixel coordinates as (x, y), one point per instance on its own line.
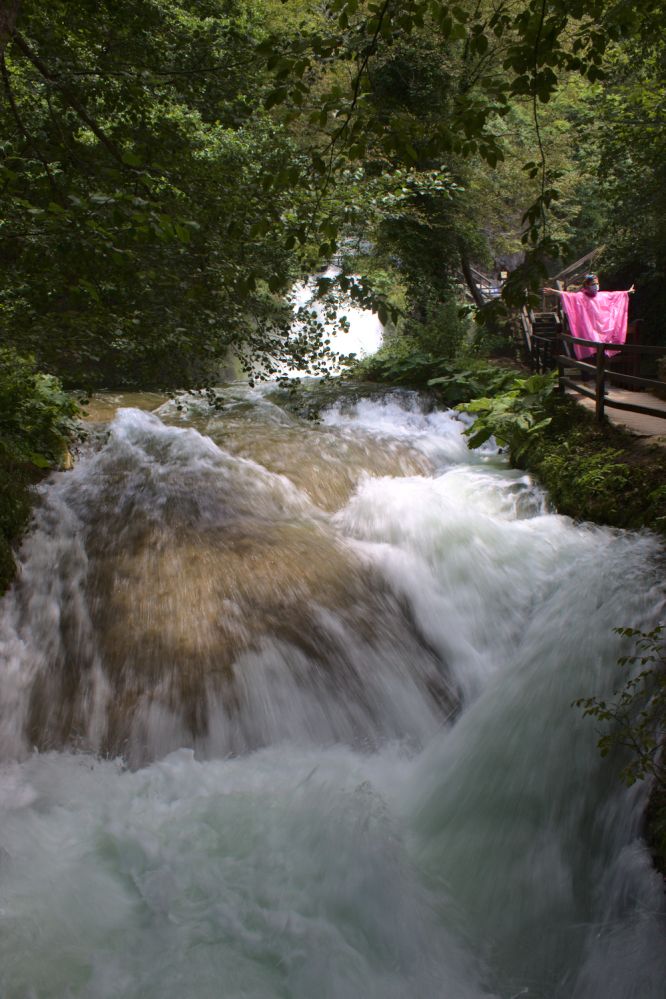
(600, 476)
(444, 330)
(431, 83)
(596, 471)
(36, 416)
(512, 417)
(152, 208)
(634, 723)
(169, 170)
(14, 513)
(471, 379)
(399, 361)
(635, 718)
(36, 422)
(402, 361)
(631, 151)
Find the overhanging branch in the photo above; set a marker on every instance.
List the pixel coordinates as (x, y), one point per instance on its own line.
(71, 100)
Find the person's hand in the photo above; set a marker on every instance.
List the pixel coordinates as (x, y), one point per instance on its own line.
(632, 289)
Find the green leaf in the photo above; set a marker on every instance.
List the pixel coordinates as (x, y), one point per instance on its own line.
(39, 460)
(131, 158)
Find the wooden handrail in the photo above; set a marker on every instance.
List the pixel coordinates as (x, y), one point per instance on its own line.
(540, 350)
(632, 348)
(613, 375)
(601, 374)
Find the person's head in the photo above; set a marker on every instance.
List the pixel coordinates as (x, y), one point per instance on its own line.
(591, 284)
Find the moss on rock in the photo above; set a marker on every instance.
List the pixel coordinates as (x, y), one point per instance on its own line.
(599, 472)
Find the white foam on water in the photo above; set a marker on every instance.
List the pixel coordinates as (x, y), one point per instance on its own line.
(283, 873)
(401, 416)
(484, 850)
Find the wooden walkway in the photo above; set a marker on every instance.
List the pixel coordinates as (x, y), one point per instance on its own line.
(548, 345)
(640, 424)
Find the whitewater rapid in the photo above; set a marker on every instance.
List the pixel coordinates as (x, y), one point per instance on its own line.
(286, 711)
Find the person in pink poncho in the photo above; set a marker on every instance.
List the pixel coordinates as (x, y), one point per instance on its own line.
(597, 316)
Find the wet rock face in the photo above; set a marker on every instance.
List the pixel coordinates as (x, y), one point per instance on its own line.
(195, 595)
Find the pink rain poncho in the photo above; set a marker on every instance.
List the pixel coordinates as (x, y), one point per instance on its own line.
(601, 318)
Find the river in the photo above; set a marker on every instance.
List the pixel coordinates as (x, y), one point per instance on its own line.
(286, 714)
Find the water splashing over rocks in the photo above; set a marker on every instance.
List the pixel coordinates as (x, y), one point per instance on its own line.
(301, 699)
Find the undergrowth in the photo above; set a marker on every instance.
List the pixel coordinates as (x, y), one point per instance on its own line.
(36, 423)
(405, 362)
(598, 472)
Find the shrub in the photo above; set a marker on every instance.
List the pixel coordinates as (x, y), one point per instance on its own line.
(399, 361)
(636, 715)
(36, 422)
(601, 477)
(445, 332)
(471, 380)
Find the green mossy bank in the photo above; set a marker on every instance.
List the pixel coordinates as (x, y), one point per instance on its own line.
(598, 472)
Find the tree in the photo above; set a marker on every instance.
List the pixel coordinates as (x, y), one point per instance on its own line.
(168, 170)
(496, 55)
(150, 198)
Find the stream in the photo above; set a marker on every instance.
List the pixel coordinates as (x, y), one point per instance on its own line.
(286, 713)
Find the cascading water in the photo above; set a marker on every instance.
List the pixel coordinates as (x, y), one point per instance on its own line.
(301, 697)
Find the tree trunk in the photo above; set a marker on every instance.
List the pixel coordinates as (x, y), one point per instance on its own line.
(8, 14)
(469, 278)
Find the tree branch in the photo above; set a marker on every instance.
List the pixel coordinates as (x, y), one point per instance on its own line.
(9, 10)
(71, 100)
(469, 277)
(22, 127)
(535, 113)
(337, 134)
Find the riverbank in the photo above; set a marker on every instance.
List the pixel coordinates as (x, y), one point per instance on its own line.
(602, 473)
(599, 473)
(37, 424)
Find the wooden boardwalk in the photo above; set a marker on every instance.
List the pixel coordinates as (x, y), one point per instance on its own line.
(653, 427)
(548, 345)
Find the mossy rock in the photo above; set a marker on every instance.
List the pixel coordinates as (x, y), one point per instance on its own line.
(599, 472)
(308, 398)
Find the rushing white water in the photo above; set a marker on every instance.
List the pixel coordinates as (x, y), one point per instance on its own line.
(339, 661)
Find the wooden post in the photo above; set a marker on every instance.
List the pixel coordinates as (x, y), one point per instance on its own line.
(560, 364)
(600, 381)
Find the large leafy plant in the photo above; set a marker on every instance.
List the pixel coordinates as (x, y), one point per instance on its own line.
(473, 379)
(512, 417)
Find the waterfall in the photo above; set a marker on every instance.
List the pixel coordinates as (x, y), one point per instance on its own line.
(285, 711)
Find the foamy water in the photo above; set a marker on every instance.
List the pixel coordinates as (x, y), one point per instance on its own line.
(343, 684)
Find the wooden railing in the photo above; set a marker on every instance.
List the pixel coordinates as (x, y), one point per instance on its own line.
(538, 349)
(542, 352)
(597, 366)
